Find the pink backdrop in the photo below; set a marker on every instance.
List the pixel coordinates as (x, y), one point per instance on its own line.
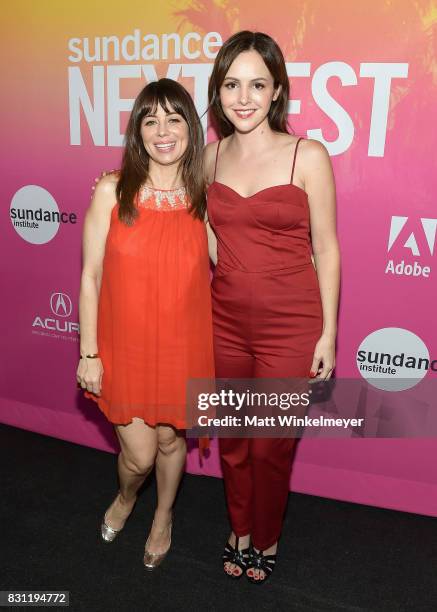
(363, 81)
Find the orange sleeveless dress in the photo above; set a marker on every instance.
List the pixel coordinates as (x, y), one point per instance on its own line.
(154, 314)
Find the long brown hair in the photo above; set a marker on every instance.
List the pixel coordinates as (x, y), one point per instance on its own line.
(135, 163)
(273, 59)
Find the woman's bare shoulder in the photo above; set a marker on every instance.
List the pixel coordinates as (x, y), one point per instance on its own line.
(209, 157)
(107, 182)
(104, 190)
(209, 152)
(313, 149)
(286, 142)
(314, 161)
(104, 196)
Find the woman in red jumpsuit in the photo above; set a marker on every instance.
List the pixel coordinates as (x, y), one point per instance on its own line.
(271, 213)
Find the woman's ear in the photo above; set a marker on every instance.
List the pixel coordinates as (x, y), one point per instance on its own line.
(276, 93)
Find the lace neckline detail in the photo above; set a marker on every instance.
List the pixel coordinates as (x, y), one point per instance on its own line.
(144, 186)
(162, 199)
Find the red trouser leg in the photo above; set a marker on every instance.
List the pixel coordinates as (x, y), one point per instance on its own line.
(256, 471)
(270, 459)
(237, 474)
(232, 360)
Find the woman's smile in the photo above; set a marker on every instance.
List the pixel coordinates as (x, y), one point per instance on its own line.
(244, 113)
(165, 147)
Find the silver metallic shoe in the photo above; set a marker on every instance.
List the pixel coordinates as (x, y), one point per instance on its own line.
(152, 560)
(108, 533)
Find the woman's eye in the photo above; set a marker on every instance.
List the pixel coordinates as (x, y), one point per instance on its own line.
(174, 120)
(259, 85)
(231, 85)
(149, 122)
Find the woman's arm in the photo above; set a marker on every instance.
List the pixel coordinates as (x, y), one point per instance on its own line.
(208, 164)
(320, 187)
(212, 241)
(96, 227)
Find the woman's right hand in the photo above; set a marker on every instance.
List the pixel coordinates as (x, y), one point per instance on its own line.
(89, 374)
(102, 175)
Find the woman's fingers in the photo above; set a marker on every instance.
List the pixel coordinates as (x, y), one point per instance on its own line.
(326, 370)
(93, 384)
(89, 377)
(315, 367)
(321, 368)
(97, 385)
(97, 179)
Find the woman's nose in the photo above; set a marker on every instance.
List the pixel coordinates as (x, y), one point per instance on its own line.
(244, 95)
(162, 128)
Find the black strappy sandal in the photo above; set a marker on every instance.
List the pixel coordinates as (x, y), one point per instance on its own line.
(265, 563)
(239, 558)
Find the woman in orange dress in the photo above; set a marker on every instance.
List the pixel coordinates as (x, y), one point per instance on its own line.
(145, 306)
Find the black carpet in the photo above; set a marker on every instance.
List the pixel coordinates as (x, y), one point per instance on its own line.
(333, 555)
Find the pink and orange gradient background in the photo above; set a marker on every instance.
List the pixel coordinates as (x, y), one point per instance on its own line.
(37, 390)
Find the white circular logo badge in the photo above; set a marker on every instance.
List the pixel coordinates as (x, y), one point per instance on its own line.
(393, 359)
(34, 214)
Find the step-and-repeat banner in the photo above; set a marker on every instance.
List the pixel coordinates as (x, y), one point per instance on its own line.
(363, 81)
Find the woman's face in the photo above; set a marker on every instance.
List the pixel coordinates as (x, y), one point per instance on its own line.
(165, 136)
(247, 91)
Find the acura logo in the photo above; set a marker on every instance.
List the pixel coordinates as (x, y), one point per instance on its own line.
(61, 304)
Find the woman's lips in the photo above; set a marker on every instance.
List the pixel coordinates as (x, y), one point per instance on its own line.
(244, 114)
(165, 147)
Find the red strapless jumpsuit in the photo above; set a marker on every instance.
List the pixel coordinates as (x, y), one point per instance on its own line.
(267, 318)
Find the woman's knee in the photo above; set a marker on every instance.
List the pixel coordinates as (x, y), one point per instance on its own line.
(169, 441)
(138, 463)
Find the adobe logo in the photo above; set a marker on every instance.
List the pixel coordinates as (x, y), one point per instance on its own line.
(411, 239)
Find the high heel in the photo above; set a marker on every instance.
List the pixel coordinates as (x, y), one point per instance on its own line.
(107, 532)
(152, 560)
(239, 558)
(259, 561)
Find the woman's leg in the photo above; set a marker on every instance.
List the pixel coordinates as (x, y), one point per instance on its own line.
(234, 359)
(271, 460)
(237, 475)
(138, 443)
(170, 463)
(235, 463)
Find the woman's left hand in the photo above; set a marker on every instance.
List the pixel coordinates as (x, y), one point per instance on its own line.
(324, 358)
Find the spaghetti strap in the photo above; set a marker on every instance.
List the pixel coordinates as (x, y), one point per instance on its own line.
(294, 159)
(216, 159)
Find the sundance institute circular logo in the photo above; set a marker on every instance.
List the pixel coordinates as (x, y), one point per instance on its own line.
(393, 359)
(35, 215)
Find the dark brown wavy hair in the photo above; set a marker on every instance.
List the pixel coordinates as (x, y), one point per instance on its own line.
(171, 96)
(273, 59)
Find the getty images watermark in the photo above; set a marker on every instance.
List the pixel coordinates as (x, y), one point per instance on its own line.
(230, 399)
(294, 407)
